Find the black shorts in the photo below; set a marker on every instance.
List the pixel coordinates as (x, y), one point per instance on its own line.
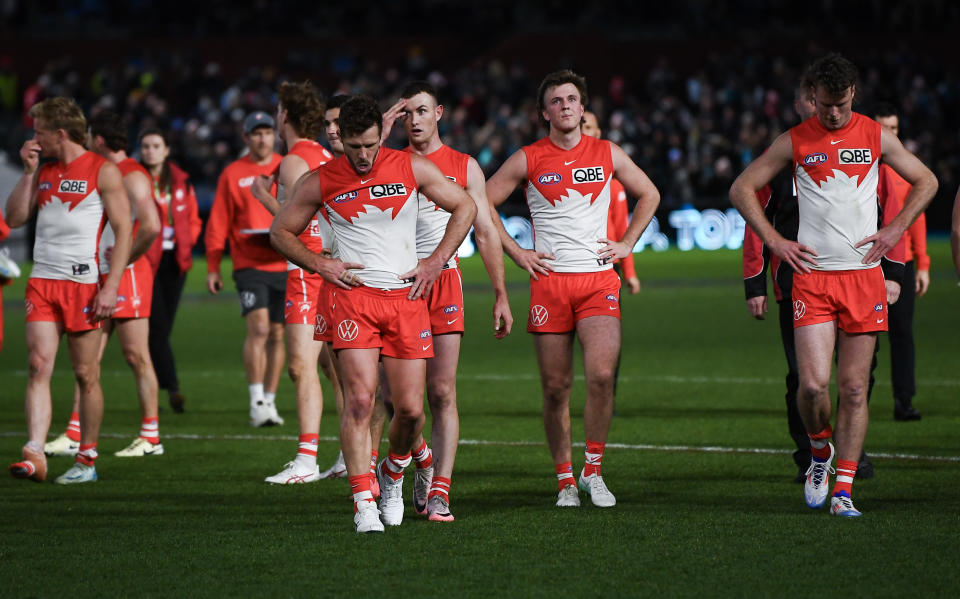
(261, 289)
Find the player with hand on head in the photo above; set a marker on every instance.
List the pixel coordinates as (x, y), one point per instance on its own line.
(370, 196)
(258, 271)
(70, 197)
(574, 291)
(839, 294)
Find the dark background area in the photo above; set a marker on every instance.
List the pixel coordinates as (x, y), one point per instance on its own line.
(692, 90)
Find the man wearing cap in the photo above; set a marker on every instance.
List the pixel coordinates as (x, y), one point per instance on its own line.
(259, 272)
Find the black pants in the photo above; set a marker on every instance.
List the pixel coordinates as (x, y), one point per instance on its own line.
(902, 352)
(167, 289)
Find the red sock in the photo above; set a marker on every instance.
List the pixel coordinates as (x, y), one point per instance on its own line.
(87, 454)
(307, 446)
(440, 486)
(819, 444)
(360, 487)
(594, 455)
(373, 461)
(73, 427)
(423, 456)
(150, 429)
(846, 471)
(564, 475)
(395, 464)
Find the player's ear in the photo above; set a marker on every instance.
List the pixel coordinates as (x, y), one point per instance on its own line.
(439, 111)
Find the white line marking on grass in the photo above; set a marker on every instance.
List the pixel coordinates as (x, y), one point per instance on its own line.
(660, 378)
(487, 442)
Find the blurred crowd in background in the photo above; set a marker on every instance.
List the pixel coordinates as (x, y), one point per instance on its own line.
(716, 92)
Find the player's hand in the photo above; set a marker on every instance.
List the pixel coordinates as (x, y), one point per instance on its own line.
(426, 272)
(30, 155)
(396, 111)
(923, 282)
(883, 241)
(634, 284)
(104, 303)
(214, 282)
(338, 272)
(261, 188)
(757, 306)
(534, 262)
(502, 317)
(798, 256)
(893, 291)
(612, 251)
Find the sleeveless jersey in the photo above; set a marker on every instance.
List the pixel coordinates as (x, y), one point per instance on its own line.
(316, 236)
(69, 220)
(568, 192)
(108, 238)
(432, 219)
(836, 174)
(374, 216)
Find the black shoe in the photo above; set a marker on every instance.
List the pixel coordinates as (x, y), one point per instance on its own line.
(176, 402)
(801, 475)
(802, 459)
(904, 412)
(864, 467)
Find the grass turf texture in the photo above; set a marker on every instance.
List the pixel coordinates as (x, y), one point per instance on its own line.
(696, 372)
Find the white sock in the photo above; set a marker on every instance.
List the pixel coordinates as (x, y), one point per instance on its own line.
(256, 393)
(268, 397)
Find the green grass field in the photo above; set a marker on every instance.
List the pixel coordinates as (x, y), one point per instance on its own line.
(700, 464)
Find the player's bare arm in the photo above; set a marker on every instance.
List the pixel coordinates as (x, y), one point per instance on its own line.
(291, 169)
(490, 248)
(22, 201)
(924, 184)
(451, 197)
(116, 205)
(508, 177)
(292, 218)
(636, 183)
(743, 195)
(140, 191)
(397, 111)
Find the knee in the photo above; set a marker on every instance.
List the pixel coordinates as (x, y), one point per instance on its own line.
(854, 393)
(87, 375)
(297, 369)
(601, 378)
(358, 406)
(136, 359)
(812, 388)
(442, 394)
(408, 414)
(258, 332)
(556, 389)
(40, 365)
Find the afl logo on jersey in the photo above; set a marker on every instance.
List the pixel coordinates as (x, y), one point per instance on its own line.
(45, 186)
(591, 174)
(388, 191)
(855, 156)
(549, 179)
(68, 186)
(345, 197)
(814, 159)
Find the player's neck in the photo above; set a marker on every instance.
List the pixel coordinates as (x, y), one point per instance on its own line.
(70, 151)
(290, 137)
(116, 157)
(426, 147)
(566, 140)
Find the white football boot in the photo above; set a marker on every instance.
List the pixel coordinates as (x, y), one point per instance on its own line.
(568, 497)
(391, 497)
(367, 518)
(62, 446)
(294, 474)
(264, 414)
(140, 448)
(817, 485)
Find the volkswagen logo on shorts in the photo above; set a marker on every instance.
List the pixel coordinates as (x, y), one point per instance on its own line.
(798, 310)
(348, 330)
(28, 306)
(321, 326)
(247, 299)
(538, 315)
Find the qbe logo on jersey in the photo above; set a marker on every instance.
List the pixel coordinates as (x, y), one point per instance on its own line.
(348, 330)
(590, 174)
(388, 190)
(69, 186)
(538, 315)
(855, 156)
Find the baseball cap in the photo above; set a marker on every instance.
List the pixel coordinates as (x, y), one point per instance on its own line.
(257, 119)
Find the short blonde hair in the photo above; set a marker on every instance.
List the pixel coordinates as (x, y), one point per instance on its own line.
(62, 113)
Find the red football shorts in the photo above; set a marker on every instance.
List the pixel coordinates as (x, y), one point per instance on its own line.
(66, 302)
(561, 300)
(300, 306)
(135, 294)
(446, 303)
(322, 331)
(368, 317)
(855, 299)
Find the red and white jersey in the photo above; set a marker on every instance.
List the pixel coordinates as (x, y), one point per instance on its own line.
(568, 192)
(836, 174)
(316, 236)
(374, 216)
(69, 219)
(108, 238)
(432, 219)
